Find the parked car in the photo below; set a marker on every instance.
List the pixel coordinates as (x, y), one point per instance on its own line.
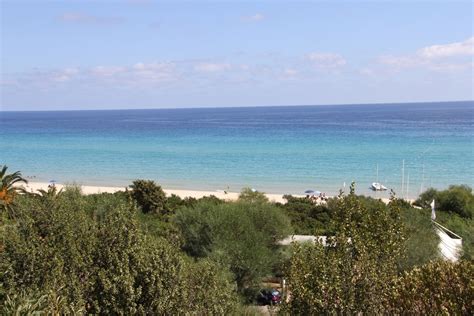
(269, 297)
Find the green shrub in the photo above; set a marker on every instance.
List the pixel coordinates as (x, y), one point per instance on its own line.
(352, 274)
(149, 196)
(425, 198)
(308, 218)
(90, 255)
(421, 241)
(252, 196)
(457, 199)
(156, 227)
(38, 304)
(174, 202)
(436, 288)
(454, 210)
(237, 235)
(210, 289)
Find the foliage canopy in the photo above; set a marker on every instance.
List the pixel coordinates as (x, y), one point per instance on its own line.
(149, 196)
(240, 235)
(351, 273)
(90, 254)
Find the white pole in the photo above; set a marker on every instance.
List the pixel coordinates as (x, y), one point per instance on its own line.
(422, 178)
(408, 184)
(403, 176)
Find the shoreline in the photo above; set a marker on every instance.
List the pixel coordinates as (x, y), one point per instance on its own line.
(182, 193)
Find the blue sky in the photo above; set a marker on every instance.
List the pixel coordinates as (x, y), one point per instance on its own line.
(62, 55)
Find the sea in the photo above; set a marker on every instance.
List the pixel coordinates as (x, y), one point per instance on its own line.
(275, 149)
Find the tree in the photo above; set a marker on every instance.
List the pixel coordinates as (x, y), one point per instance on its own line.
(455, 210)
(457, 199)
(425, 198)
(9, 189)
(238, 235)
(352, 273)
(308, 218)
(149, 196)
(88, 254)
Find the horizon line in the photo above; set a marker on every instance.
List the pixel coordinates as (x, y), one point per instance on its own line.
(243, 106)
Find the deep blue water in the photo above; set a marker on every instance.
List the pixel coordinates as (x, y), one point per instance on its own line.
(274, 149)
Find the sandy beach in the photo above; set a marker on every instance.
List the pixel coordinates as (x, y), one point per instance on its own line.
(182, 193)
(87, 189)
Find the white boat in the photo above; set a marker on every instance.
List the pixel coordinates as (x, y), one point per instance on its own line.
(378, 186)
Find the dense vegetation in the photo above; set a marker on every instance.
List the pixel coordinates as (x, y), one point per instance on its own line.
(455, 210)
(350, 273)
(241, 236)
(142, 252)
(457, 199)
(88, 254)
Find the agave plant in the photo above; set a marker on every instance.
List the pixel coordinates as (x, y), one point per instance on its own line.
(9, 189)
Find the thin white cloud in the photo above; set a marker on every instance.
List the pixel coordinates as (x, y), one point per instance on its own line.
(162, 74)
(64, 74)
(401, 61)
(451, 67)
(138, 73)
(444, 58)
(212, 67)
(155, 72)
(366, 71)
(83, 18)
(257, 17)
(464, 48)
(289, 74)
(326, 60)
(107, 71)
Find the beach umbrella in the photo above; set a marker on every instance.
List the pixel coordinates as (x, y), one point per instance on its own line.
(312, 192)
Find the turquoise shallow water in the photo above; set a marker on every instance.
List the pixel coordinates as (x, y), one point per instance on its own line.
(274, 149)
